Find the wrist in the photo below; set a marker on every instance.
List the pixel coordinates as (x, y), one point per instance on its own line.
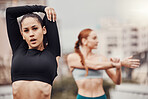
(112, 64)
(118, 68)
(122, 63)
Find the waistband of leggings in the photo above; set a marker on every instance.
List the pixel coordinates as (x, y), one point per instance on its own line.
(99, 97)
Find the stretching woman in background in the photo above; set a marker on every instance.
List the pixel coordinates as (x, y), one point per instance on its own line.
(87, 66)
(36, 49)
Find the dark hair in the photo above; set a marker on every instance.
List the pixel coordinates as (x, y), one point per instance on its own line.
(33, 15)
(83, 34)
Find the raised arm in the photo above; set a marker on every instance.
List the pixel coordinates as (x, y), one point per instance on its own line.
(73, 61)
(13, 30)
(52, 37)
(97, 65)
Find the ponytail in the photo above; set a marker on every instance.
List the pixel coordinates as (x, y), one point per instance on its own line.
(77, 50)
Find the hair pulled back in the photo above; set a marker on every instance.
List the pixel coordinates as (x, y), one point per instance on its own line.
(83, 34)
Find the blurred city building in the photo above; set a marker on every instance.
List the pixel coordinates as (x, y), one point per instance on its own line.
(123, 40)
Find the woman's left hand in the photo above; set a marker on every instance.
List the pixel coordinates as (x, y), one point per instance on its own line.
(51, 14)
(116, 62)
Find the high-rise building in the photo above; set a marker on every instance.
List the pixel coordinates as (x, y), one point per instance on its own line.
(122, 39)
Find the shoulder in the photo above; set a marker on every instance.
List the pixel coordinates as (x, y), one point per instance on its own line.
(73, 56)
(102, 57)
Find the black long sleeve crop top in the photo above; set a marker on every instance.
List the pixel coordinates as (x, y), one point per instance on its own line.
(32, 64)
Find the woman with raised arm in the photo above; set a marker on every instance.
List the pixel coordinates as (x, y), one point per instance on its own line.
(36, 49)
(87, 67)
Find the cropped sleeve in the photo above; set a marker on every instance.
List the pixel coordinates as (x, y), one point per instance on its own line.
(52, 37)
(13, 30)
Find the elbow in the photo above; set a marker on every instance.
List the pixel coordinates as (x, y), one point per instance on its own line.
(72, 67)
(8, 11)
(118, 82)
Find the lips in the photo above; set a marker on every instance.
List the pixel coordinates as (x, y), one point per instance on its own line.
(96, 44)
(33, 41)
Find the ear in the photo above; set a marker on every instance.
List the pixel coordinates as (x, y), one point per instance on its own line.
(44, 30)
(22, 35)
(84, 41)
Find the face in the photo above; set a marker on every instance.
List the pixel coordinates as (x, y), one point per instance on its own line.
(92, 40)
(32, 32)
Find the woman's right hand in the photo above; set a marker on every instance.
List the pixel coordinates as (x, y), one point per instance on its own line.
(129, 62)
(51, 14)
(116, 62)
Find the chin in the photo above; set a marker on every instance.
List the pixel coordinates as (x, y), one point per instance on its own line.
(95, 47)
(34, 46)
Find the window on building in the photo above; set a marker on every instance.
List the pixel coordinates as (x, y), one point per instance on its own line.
(109, 52)
(134, 44)
(134, 36)
(134, 29)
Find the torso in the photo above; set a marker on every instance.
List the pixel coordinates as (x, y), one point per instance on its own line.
(31, 90)
(32, 73)
(90, 87)
(32, 64)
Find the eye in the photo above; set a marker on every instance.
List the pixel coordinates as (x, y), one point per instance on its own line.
(35, 28)
(94, 37)
(26, 30)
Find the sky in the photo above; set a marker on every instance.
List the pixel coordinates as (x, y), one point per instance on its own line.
(82, 13)
(86, 13)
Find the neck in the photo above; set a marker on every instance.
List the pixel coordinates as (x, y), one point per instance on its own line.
(85, 51)
(40, 47)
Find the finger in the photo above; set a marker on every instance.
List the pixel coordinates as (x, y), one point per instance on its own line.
(115, 60)
(50, 17)
(134, 60)
(118, 60)
(111, 59)
(47, 13)
(130, 57)
(53, 15)
(134, 66)
(50, 14)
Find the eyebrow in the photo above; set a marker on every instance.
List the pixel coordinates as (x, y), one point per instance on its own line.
(31, 26)
(34, 26)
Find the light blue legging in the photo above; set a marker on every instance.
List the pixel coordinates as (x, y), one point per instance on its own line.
(83, 97)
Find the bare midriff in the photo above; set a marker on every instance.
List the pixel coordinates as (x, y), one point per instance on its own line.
(31, 90)
(92, 87)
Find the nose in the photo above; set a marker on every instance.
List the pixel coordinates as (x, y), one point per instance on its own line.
(31, 34)
(97, 41)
